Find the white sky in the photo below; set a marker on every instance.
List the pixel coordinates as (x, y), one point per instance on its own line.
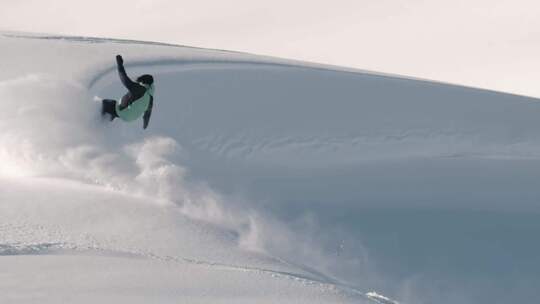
(484, 43)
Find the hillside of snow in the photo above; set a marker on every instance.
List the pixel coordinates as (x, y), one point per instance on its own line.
(259, 180)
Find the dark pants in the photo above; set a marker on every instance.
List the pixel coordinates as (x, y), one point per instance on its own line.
(109, 107)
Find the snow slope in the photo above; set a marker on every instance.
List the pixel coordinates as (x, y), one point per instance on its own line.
(259, 180)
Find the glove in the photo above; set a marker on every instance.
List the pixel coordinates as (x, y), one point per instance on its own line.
(119, 60)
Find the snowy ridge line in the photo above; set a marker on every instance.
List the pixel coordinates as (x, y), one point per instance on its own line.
(282, 63)
(263, 61)
(85, 39)
(192, 62)
(89, 39)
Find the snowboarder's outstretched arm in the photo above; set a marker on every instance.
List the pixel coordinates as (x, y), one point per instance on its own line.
(128, 83)
(136, 90)
(148, 113)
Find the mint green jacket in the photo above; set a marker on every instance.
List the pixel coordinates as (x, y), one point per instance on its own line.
(137, 108)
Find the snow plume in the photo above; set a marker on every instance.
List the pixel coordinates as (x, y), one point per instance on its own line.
(159, 175)
(37, 124)
(51, 128)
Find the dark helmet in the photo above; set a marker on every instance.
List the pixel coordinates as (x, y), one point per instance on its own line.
(146, 79)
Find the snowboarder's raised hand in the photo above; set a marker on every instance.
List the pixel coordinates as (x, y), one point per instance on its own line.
(137, 102)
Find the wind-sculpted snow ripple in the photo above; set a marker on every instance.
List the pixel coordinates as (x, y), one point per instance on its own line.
(353, 149)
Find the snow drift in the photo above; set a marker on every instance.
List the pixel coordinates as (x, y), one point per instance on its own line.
(259, 179)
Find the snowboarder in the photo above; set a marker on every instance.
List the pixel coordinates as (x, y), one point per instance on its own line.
(137, 102)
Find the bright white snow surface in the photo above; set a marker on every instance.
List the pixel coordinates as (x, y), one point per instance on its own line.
(259, 180)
